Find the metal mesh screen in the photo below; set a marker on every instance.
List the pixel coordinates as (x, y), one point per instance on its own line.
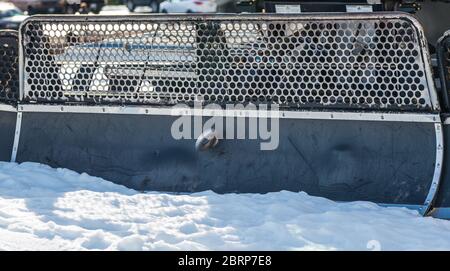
(9, 63)
(293, 61)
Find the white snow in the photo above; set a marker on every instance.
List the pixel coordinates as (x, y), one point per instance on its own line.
(42, 208)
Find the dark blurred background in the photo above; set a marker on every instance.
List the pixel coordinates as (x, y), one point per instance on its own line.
(434, 15)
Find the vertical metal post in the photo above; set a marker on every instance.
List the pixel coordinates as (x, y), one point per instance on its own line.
(16, 136)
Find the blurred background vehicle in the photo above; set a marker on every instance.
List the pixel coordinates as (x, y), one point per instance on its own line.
(433, 14)
(58, 6)
(10, 16)
(84, 6)
(301, 6)
(40, 6)
(188, 6)
(133, 4)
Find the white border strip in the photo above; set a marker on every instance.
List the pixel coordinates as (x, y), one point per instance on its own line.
(7, 108)
(174, 111)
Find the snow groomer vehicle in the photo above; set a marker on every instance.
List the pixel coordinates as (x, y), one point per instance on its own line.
(340, 105)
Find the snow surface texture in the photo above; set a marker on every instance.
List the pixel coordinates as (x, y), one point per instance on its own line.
(52, 209)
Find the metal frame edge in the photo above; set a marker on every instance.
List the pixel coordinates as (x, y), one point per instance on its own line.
(188, 111)
(8, 108)
(437, 170)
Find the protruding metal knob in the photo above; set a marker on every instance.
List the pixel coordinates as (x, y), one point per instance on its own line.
(208, 139)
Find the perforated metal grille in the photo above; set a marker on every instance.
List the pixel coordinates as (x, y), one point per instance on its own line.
(9, 62)
(337, 62)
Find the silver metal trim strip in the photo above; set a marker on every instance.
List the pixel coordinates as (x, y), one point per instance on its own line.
(16, 137)
(221, 16)
(7, 108)
(437, 170)
(176, 111)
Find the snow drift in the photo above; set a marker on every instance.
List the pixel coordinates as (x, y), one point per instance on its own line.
(42, 208)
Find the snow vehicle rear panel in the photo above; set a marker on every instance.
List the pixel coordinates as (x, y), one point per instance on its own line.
(359, 116)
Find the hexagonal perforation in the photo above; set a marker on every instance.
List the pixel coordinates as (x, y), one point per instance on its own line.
(339, 63)
(9, 66)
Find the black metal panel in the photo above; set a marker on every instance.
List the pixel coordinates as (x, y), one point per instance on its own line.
(7, 128)
(9, 66)
(385, 162)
